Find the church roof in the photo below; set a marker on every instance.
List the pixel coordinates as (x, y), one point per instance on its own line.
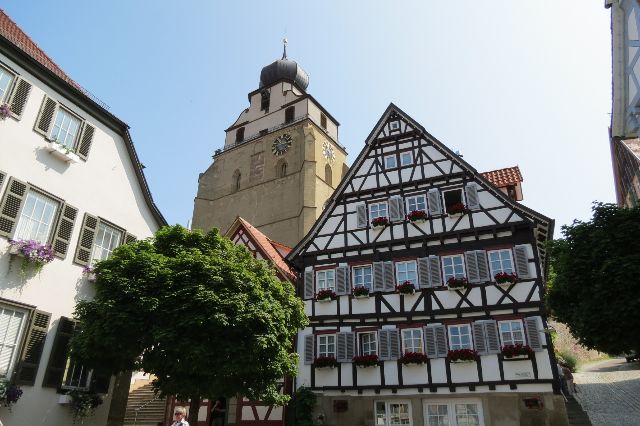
(273, 250)
(504, 177)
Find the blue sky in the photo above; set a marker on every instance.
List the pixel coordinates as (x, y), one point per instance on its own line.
(507, 83)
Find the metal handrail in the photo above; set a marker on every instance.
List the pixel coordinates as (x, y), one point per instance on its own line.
(137, 410)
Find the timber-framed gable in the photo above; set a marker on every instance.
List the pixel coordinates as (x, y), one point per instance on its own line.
(416, 261)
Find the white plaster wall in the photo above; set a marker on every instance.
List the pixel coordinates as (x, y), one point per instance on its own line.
(106, 186)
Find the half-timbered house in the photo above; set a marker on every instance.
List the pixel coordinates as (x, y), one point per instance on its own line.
(424, 287)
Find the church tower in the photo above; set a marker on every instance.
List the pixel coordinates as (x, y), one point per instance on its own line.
(280, 163)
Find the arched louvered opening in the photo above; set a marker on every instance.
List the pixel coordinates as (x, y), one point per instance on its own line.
(237, 176)
(328, 176)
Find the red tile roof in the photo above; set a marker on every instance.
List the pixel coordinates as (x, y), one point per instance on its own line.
(504, 177)
(13, 33)
(272, 249)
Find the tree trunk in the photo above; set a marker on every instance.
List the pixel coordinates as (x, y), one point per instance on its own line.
(194, 407)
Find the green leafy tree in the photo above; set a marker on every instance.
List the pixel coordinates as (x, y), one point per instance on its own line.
(195, 310)
(596, 288)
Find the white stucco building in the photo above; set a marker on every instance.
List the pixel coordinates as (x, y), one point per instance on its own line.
(69, 177)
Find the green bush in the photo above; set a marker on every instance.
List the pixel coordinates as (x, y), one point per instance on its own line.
(568, 359)
(302, 405)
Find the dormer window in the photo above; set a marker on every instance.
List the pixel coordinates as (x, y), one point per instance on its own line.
(289, 114)
(240, 134)
(265, 99)
(511, 192)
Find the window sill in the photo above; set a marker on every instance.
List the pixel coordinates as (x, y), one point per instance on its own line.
(62, 153)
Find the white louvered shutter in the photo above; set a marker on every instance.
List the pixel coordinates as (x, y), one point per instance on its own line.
(11, 205)
(64, 229)
(45, 116)
(308, 285)
(436, 341)
(361, 216)
(19, 97)
(472, 267)
(309, 345)
(423, 272)
(492, 337)
(522, 261)
(483, 267)
(84, 146)
(378, 276)
(435, 205)
(396, 209)
(471, 191)
(383, 345)
(389, 277)
(435, 276)
(87, 238)
(533, 332)
(430, 342)
(342, 280)
(478, 338)
(344, 346)
(394, 344)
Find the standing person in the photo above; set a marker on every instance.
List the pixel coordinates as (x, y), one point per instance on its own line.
(218, 411)
(180, 414)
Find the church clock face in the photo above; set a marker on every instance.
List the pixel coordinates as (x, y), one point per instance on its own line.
(327, 151)
(281, 144)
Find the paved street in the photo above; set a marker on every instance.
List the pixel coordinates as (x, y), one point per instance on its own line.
(608, 391)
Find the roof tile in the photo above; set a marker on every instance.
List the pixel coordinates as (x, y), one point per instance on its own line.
(504, 177)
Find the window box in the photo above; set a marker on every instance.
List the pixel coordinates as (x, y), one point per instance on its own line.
(415, 358)
(5, 111)
(454, 284)
(360, 292)
(62, 152)
(325, 362)
(517, 351)
(89, 273)
(406, 287)
(64, 399)
(365, 361)
(379, 222)
(326, 295)
(505, 279)
(462, 355)
(417, 216)
(456, 210)
(32, 252)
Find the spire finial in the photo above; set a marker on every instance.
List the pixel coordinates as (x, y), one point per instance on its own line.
(284, 53)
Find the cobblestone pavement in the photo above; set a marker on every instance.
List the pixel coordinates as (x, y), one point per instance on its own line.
(608, 391)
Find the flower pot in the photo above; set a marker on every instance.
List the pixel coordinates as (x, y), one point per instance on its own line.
(378, 227)
(455, 215)
(91, 277)
(516, 357)
(62, 153)
(366, 366)
(16, 251)
(413, 364)
(455, 288)
(328, 299)
(505, 284)
(408, 293)
(418, 220)
(327, 367)
(361, 296)
(64, 399)
(462, 361)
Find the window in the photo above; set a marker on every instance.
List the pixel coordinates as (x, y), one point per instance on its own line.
(511, 332)
(378, 210)
(328, 175)
(500, 261)
(452, 197)
(36, 218)
(395, 125)
(416, 202)
(327, 345)
(12, 323)
(412, 340)
(393, 413)
(511, 192)
(265, 98)
(6, 78)
(460, 337)
(107, 239)
(458, 413)
(289, 114)
(326, 279)
(240, 135)
(453, 266)
(65, 128)
(76, 375)
(406, 158)
(362, 277)
(406, 271)
(368, 343)
(390, 162)
(323, 121)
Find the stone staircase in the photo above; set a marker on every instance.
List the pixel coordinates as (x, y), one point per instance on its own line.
(149, 407)
(577, 416)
